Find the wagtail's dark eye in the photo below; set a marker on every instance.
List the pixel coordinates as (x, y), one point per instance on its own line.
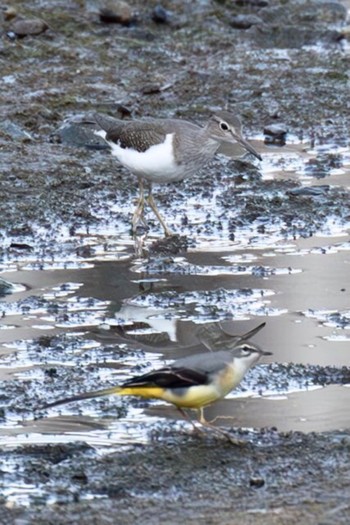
(247, 350)
(224, 126)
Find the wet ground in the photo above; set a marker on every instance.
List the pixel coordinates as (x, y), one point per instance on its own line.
(256, 242)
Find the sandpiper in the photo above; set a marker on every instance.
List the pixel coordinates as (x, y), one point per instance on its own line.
(169, 150)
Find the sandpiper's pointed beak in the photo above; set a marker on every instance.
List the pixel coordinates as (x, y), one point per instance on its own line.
(247, 146)
(263, 352)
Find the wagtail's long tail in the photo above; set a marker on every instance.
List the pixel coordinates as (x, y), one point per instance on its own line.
(86, 395)
(147, 391)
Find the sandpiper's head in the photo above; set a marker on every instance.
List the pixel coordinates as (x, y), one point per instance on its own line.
(226, 128)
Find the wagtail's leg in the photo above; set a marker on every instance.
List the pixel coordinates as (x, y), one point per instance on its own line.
(155, 210)
(208, 425)
(202, 419)
(187, 417)
(218, 430)
(140, 206)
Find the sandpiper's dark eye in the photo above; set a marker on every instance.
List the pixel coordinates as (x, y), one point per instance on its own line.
(224, 126)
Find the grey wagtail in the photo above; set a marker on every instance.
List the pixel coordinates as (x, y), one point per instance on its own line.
(194, 381)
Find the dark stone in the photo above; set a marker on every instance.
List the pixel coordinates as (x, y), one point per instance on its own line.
(278, 131)
(5, 287)
(25, 27)
(151, 89)
(309, 191)
(117, 12)
(14, 131)
(301, 13)
(253, 3)
(271, 36)
(80, 135)
(160, 15)
(245, 21)
(256, 482)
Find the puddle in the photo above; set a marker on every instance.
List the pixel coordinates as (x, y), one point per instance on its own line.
(78, 323)
(256, 243)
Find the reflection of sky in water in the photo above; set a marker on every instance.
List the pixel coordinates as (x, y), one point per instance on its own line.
(248, 278)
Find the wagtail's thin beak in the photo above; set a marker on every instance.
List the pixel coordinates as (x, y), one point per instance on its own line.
(266, 353)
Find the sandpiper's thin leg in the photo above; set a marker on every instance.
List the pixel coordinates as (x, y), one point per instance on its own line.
(155, 210)
(138, 213)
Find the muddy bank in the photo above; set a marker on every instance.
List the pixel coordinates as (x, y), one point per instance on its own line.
(264, 242)
(277, 478)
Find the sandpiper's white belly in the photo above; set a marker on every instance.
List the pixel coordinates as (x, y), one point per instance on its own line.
(156, 164)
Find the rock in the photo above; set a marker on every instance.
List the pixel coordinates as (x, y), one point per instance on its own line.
(155, 87)
(256, 482)
(299, 23)
(160, 15)
(27, 26)
(278, 131)
(310, 191)
(301, 13)
(151, 89)
(245, 21)
(253, 3)
(14, 131)
(275, 134)
(272, 36)
(117, 12)
(5, 287)
(79, 135)
(9, 13)
(345, 32)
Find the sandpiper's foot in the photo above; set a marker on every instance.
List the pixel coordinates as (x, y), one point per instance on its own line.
(138, 215)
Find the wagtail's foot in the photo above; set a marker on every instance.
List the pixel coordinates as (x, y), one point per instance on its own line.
(217, 430)
(212, 421)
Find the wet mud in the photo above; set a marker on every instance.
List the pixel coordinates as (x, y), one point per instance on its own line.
(254, 242)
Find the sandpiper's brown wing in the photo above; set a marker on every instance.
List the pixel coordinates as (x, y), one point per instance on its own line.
(139, 135)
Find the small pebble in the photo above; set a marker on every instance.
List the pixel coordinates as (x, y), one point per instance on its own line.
(151, 89)
(245, 21)
(117, 12)
(160, 15)
(9, 13)
(253, 3)
(309, 191)
(256, 482)
(276, 130)
(345, 31)
(27, 26)
(275, 134)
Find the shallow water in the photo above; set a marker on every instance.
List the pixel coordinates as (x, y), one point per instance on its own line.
(299, 286)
